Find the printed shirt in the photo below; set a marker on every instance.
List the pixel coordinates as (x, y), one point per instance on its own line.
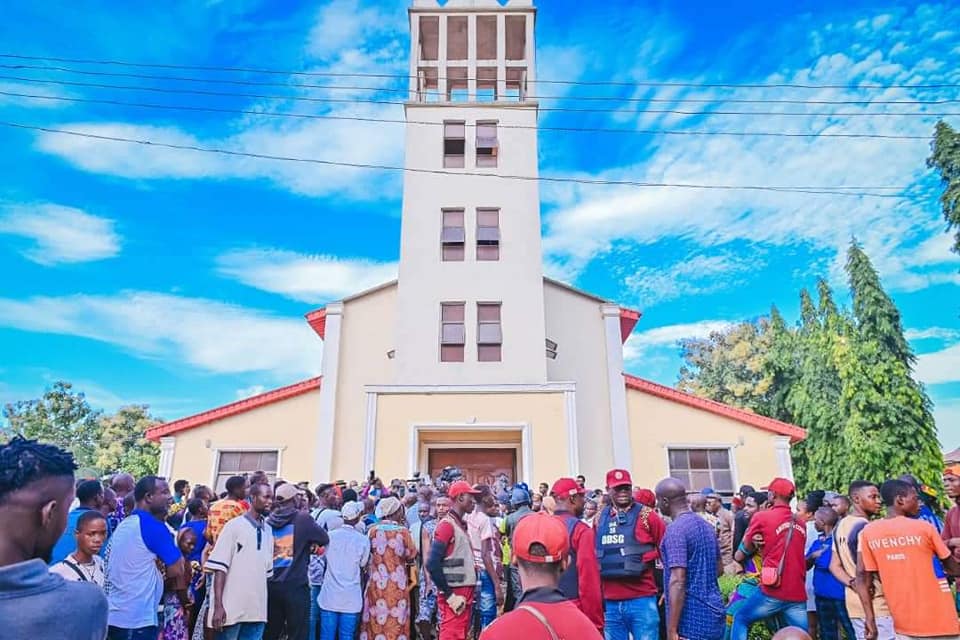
(773, 524)
(901, 550)
(824, 584)
(644, 585)
(691, 543)
(221, 512)
(134, 585)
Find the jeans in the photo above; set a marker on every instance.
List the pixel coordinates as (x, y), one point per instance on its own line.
(637, 618)
(143, 633)
(833, 616)
(486, 600)
(760, 607)
(338, 626)
(288, 610)
(242, 631)
(314, 631)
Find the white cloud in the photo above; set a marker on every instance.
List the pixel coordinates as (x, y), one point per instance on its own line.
(934, 333)
(309, 278)
(209, 335)
(902, 235)
(60, 234)
(668, 336)
(249, 392)
(698, 274)
(940, 366)
(947, 416)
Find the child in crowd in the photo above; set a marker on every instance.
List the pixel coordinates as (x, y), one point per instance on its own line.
(85, 564)
(177, 600)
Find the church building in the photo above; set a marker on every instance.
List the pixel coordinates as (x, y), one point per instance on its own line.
(472, 356)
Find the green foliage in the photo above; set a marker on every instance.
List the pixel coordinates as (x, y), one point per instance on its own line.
(945, 158)
(100, 443)
(122, 445)
(62, 417)
(845, 376)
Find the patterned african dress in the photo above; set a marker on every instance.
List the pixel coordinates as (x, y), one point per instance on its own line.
(386, 604)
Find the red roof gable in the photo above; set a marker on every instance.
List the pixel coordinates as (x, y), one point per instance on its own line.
(628, 320)
(232, 409)
(761, 422)
(318, 321)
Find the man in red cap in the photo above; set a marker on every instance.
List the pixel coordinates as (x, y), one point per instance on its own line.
(541, 552)
(628, 535)
(782, 584)
(451, 564)
(581, 581)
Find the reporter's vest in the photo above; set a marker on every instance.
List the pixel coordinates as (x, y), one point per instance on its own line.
(618, 550)
(458, 567)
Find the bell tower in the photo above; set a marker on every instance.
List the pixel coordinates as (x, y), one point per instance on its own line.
(470, 297)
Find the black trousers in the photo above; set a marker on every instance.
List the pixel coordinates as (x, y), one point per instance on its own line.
(288, 611)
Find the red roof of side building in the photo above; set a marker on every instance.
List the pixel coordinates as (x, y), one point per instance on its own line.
(741, 415)
(232, 409)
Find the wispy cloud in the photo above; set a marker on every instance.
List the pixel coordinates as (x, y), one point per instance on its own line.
(209, 335)
(698, 274)
(939, 367)
(639, 343)
(60, 234)
(931, 333)
(309, 278)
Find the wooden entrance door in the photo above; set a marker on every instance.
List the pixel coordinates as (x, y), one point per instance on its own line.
(478, 465)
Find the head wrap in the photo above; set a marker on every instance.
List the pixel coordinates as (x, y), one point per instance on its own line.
(387, 507)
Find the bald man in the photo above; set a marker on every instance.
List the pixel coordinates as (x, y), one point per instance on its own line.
(122, 485)
(691, 564)
(791, 633)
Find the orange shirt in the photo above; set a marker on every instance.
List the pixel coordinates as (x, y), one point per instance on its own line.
(901, 550)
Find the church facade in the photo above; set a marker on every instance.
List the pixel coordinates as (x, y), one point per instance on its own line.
(473, 357)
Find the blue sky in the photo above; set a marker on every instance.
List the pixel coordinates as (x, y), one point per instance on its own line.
(180, 279)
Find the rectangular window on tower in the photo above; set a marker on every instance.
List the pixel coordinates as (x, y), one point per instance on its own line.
(458, 88)
(429, 37)
(486, 84)
(488, 146)
(453, 236)
(453, 332)
(486, 37)
(454, 144)
(516, 28)
(488, 234)
(457, 38)
(489, 332)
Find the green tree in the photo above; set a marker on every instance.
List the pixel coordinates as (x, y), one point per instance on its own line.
(945, 158)
(62, 417)
(877, 316)
(122, 444)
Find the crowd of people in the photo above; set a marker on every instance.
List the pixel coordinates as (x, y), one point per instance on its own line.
(136, 559)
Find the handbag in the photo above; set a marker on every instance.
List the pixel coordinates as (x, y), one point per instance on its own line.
(770, 576)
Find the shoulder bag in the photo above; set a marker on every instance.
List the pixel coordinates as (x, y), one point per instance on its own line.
(770, 576)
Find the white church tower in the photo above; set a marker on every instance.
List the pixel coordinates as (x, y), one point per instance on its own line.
(470, 300)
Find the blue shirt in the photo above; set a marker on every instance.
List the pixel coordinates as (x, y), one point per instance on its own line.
(691, 543)
(198, 526)
(824, 584)
(67, 543)
(134, 586)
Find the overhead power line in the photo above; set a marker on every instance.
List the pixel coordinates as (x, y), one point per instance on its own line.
(171, 90)
(397, 90)
(611, 83)
(315, 116)
(835, 191)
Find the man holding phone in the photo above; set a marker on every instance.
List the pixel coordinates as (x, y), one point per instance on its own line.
(451, 565)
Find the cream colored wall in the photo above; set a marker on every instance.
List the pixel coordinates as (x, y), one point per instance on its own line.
(396, 413)
(656, 423)
(574, 322)
(289, 425)
(366, 335)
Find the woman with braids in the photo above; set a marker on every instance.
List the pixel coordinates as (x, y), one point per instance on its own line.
(36, 488)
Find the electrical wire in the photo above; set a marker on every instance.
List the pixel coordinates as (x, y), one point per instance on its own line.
(288, 72)
(314, 116)
(835, 191)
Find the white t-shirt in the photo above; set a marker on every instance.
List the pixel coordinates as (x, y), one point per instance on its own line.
(243, 556)
(479, 529)
(73, 570)
(347, 553)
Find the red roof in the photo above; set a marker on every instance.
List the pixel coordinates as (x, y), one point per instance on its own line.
(628, 320)
(232, 409)
(761, 422)
(318, 321)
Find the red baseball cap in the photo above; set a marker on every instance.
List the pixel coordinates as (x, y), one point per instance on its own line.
(541, 529)
(618, 478)
(459, 488)
(782, 487)
(565, 487)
